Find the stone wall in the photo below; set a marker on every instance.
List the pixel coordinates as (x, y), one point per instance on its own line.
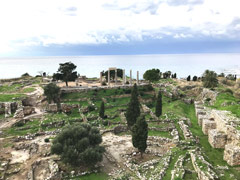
(217, 139)
(221, 128)
(203, 168)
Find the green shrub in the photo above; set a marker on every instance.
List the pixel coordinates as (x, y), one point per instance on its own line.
(79, 144)
(91, 108)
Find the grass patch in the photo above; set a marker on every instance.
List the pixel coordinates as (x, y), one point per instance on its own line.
(230, 101)
(10, 97)
(159, 133)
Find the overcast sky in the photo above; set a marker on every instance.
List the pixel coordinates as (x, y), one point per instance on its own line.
(91, 27)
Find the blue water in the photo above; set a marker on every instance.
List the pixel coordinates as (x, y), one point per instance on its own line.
(182, 64)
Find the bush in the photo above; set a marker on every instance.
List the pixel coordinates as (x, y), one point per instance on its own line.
(79, 144)
(194, 78)
(91, 108)
(210, 79)
(152, 75)
(105, 123)
(46, 140)
(52, 92)
(25, 75)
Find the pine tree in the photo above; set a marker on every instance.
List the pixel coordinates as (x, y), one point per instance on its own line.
(133, 110)
(101, 111)
(140, 134)
(158, 110)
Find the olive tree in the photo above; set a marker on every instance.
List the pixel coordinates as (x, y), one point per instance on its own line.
(79, 144)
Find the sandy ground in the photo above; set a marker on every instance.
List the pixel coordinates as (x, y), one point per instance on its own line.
(117, 145)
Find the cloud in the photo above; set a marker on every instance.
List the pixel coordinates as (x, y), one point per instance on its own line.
(64, 22)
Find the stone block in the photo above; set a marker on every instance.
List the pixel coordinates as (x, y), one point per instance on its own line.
(208, 125)
(232, 154)
(52, 108)
(28, 110)
(217, 139)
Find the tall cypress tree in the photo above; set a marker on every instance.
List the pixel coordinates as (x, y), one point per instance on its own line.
(140, 134)
(102, 109)
(133, 110)
(158, 110)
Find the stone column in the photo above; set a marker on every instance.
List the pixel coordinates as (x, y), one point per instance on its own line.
(108, 77)
(130, 77)
(123, 77)
(137, 77)
(115, 76)
(100, 78)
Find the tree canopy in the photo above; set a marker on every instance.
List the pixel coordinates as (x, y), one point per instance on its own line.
(79, 145)
(101, 111)
(140, 134)
(52, 92)
(152, 75)
(158, 110)
(210, 79)
(133, 110)
(66, 72)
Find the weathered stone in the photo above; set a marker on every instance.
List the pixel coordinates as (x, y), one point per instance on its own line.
(232, 154)
(217, 139)
(8, 111)
(19, 113)
(28, 110)
(52, 108)
(208, 125)
(208, 94)
(29, 101)
(203, 168)
(119, 129)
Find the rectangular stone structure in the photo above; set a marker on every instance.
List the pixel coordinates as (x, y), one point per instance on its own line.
(232, 154)
(217, 139)
(208, 125)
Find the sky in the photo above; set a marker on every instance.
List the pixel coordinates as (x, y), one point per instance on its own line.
(108, 27)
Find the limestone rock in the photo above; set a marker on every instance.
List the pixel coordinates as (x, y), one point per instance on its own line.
(217, 139)
(208, 125)
(28, 110)
(232, 154)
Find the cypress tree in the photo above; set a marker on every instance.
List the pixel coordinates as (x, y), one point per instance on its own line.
(140, 134)
(101, 111)
(133, 110)
(158, 110)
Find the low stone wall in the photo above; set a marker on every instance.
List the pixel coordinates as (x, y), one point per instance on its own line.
(179, 170)
(203, 168)
(186, 132)
(85, 89)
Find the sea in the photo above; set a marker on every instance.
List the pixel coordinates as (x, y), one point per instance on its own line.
(91, 66)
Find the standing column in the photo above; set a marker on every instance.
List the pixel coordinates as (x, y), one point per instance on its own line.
(130, 77)
(137, 77)
(115, 76)
(100, 78)
(123, 77)
(108, 77)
